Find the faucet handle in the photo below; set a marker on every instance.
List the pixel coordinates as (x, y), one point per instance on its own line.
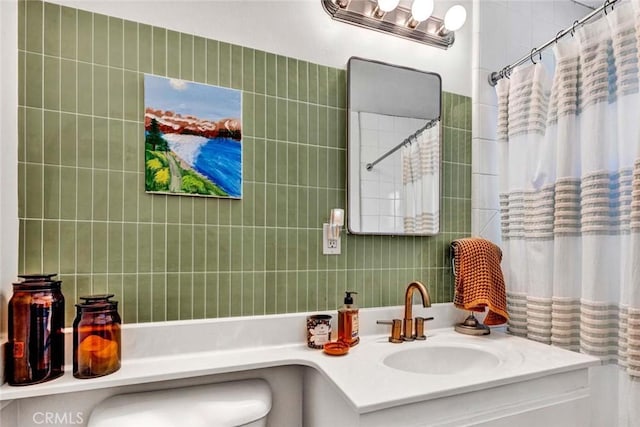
(396, 329)
(420, 327)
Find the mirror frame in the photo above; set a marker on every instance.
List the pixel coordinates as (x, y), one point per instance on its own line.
(350, 144)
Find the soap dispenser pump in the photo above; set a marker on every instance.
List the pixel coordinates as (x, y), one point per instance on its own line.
(348, 326)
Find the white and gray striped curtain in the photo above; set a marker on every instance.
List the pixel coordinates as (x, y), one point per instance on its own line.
(570, 198)
(420, 182)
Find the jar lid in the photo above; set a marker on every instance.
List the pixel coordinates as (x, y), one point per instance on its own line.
(93, 299)
(99, 306)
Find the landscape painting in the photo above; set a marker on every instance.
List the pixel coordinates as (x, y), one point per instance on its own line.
(193, 138)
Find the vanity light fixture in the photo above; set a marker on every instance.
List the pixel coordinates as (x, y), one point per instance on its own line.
(409, 19)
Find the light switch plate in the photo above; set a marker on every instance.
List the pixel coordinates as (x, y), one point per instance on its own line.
(329, 246)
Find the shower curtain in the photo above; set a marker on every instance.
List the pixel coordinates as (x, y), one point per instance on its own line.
(570, 203)
(420, 182)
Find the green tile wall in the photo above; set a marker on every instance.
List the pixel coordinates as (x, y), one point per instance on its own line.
(84, 213)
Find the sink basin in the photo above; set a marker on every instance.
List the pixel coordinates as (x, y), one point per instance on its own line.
(442, 360)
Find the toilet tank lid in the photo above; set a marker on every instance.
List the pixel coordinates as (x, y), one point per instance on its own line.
(221, 404)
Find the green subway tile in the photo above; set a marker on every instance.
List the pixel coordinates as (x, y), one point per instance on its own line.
(158, 254)
(248, 66)
(22, 14)
(281, 119)
(116, 39)
(303, 123)
(323, 117)
(211, 295)
(100, 39)
(51, 194)
(68, 194)
(173, 295)
(236, 67)
(246, 252)
(323, 85)
(84, 84)
(332, 87)
(199, 242)
(281, 292)
(213, 75)
(235, 212)
(100, 143)
(22, 189)
(172, 210)
(51, 29)
(99, 247)
(247, 114)
(85, 32)
(281, 162)
(22, 64)
(129, 299)
(82, 234)
(260, 82)
(248, 301)
(68, 134)
(32, 246)
(224, 249)
(144, 244)
(259, 160)
(302, 81)
(292, 121)
(115, 144)
(271, 74)
(68, 84)
(185, 248)
(33, 80)
(34, 187)
(281, 210)
(313, 83)
(312, 120)
(84, 151)
(199, 60)
(116, 95)
(342, 89)
(51, 138)
(270, 249)
(130, 197)
(259, 249)
(84, 194)
(224, 294)
(260, 205)
(100, 91)
(292, 250)
(173, 54)
(332, 127)
(186, 210)
(159, 41)
(271, 118)
(116, 190)
(292, 164)
(342, 129)
(100, 206)
(235, 249)
(145, 48)
(224, 64)
(33, 135)
(143, 297)
(248, 211)
(186, 296)
(159, 297)
(281, 76)
(34, 26)
(292, 78)
(199, 210)
(130, 45)
(130, 90)
(114, 251)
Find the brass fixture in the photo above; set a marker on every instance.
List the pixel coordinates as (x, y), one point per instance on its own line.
(408, 316)
(396, 329)
(471, 326)
(419, 335)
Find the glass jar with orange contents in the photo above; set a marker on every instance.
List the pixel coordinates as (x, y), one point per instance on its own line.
(96, 337)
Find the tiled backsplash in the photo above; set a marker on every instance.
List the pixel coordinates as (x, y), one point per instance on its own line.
(83, 209)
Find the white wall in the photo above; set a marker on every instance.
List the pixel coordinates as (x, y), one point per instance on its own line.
(503, 32)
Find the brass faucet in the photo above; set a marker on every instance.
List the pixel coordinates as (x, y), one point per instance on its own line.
(407, 326)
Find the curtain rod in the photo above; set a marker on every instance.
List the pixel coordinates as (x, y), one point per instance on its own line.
(506, 71)
(431, 123)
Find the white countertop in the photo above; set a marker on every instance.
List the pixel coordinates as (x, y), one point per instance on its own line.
(353, 373)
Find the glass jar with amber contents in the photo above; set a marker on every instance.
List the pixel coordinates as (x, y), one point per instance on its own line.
(96, 337)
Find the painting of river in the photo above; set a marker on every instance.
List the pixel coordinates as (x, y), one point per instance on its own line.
(193, 138)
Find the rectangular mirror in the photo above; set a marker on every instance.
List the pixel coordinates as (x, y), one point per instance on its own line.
(394, 136)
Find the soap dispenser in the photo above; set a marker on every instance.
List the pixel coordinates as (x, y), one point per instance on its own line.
(348, 321)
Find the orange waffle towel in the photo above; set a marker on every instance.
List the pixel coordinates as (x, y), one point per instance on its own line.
(479, 280)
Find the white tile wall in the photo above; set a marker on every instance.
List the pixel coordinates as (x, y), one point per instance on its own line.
(504, 31)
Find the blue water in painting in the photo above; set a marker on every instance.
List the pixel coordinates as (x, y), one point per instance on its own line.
(220, 160)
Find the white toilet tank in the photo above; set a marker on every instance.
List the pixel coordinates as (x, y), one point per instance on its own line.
(231, 404)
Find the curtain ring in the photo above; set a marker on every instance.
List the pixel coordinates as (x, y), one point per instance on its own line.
(604, 7)
(573, 27)
(531, 56)
(558, 35)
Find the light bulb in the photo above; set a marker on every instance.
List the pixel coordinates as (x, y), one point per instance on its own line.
(387, 5)
(455, 18)
(421, 9)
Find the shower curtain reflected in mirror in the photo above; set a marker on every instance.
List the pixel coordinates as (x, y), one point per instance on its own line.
(570, 203)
